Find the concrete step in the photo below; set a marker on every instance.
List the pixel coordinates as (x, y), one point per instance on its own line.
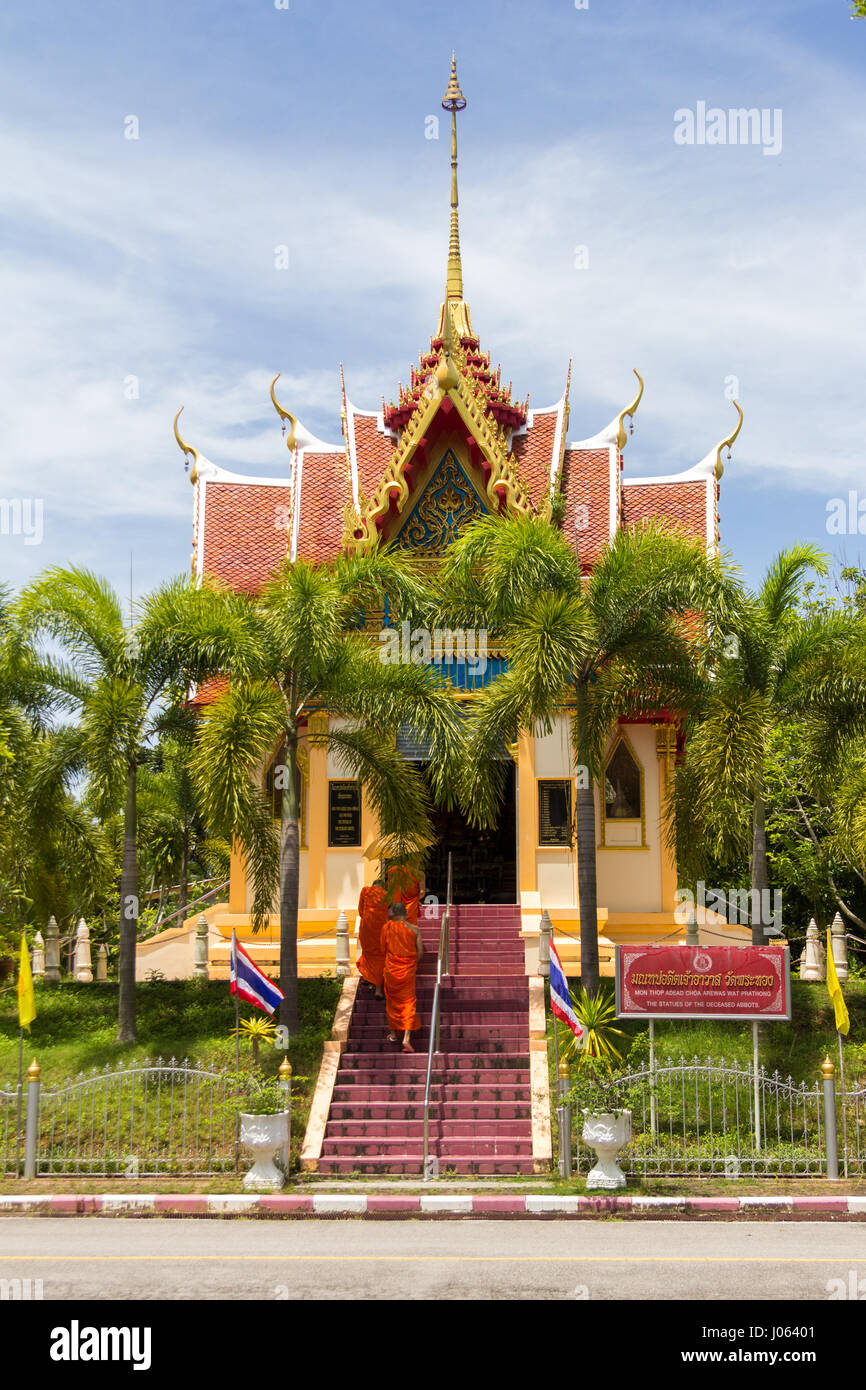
(492, 1079)
(411, 1165)
(394, 1129)
(399, 1145)
(407, 1096)
(440, 1109)
(443, 1062)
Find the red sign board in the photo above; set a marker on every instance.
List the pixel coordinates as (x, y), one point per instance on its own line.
(703, 982)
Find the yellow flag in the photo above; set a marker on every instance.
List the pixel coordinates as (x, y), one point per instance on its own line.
(26, 1000)
(835, 990)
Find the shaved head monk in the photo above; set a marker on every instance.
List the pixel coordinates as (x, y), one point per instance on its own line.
(372, 914)
(404, 888)
(403, 948)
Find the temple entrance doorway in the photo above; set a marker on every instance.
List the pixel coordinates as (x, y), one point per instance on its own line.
(484, 862)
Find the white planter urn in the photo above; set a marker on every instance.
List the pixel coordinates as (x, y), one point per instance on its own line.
(263, 1137)
(607, 1134)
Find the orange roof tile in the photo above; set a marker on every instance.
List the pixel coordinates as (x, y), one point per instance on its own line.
(532, 451)
(586, 489)
(324, 495)
(373, 451)
(683, 504)
(245, 532)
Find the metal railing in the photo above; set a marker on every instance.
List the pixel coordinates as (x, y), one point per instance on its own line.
(144, 1120)
(443, 961)
(716, 1118)
(11, 1130)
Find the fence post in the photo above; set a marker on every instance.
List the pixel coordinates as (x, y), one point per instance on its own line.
(286, 1086)
(563, 1087)
(52, 953)
(756, 1084)
(37, 957)
(344, 960)
(839, 943)
(654, 1119)
(200, 949)
(31, 1133)
(101, 963)
(828, 1072)
(83, 964)
(544, 943)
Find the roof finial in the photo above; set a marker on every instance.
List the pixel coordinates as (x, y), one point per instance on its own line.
(187, 449)
(454, 101)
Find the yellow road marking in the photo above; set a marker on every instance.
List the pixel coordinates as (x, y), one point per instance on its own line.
(454, 1259)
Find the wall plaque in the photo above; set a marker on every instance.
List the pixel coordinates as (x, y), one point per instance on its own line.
(344, 815)
(554, 812)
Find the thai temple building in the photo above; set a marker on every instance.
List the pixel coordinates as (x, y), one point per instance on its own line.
(454, 443)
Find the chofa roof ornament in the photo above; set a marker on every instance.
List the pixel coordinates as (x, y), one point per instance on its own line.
(187, 450)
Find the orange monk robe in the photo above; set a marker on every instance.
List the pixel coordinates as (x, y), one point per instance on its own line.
(408, 890)
(373, 914)
(401, 963)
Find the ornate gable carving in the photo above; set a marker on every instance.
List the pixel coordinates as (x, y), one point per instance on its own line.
(447, 504)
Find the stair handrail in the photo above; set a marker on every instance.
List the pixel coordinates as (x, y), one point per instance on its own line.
(442, 969)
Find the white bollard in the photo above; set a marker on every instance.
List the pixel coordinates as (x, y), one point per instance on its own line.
(37, 957)
(82, 963)
(200, 966)
(344, 960)
(811, 965)
(101, 963)
(52, 953)
(544, 943)
(839, 943)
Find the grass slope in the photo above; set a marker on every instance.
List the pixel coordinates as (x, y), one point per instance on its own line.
(75, 1026)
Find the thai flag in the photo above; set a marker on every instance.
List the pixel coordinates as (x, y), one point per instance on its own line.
(560, 999)
(249, 983)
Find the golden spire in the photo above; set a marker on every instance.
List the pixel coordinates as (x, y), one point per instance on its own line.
(454, 101)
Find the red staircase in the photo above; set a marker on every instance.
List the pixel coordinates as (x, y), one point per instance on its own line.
(480, 1111)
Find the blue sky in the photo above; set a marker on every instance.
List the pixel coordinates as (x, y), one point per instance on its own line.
(260, 127)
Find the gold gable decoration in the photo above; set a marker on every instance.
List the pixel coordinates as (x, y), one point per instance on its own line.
(451, 379)
(447, 503)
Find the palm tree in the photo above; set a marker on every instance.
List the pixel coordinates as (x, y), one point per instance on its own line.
(121, 680)
(602, 646)
(54, 856)
(770, 665)
(301, 650)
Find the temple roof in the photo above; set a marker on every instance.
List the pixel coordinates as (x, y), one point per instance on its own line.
(514, 459)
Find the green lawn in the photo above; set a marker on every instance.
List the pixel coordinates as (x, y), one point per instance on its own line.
(797, 1048)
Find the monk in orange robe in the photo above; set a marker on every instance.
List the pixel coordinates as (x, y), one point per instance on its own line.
(372, 914)
(405, 888)
(403, 947)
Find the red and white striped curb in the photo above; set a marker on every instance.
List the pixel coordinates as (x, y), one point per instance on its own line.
(425, 1204)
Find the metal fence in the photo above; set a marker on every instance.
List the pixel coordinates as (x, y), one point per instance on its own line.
(147, 1120)
(11, 1131)
(714, 1118)
(853, 1139)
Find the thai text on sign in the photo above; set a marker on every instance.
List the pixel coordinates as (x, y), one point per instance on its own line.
(703, 982)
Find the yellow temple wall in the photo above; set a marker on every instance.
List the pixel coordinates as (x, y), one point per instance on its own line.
(636, 878)
(629, 870)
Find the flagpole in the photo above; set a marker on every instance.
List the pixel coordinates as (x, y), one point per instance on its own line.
(844, 1116)
(234, 967)
(20, 1096)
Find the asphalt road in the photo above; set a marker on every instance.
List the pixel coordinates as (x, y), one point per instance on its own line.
(128, 1258)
